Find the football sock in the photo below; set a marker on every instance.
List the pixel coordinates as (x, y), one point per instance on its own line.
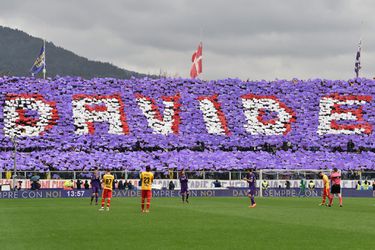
(187, 197)
(108, 202)
(143, 204)
(92, 198)
(340, 198)
(324, 198)
(183, 198)
(148, 203)
(252, 200)
(103, 202)
(96, 198)
(330, 199)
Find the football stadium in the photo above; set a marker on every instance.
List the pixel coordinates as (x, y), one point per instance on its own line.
(145, 161)
(60, 134)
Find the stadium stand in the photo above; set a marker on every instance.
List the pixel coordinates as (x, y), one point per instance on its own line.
(76, 124)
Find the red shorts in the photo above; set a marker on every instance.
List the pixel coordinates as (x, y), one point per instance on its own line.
(146, 194)
(107, 193)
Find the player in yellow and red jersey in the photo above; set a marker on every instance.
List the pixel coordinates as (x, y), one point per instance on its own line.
(146, 178)
(326, 192)
(107, 184)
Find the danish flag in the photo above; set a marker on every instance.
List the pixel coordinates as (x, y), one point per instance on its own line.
(196, 67)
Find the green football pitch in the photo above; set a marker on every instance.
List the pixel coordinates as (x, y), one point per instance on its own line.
(205, 223)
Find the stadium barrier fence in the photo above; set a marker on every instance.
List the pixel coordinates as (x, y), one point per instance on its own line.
(197, 179)
(230, 192)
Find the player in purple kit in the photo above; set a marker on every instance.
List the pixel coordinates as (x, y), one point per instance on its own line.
(184, 187)
(95, 186)
(250, 178)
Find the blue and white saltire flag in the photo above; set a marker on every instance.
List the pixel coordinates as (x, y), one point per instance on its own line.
(39, 63)
(357, 65)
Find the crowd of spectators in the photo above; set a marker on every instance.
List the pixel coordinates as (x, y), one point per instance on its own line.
(194, 146)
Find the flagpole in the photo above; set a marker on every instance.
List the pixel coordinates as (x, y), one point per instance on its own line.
(14, 141)
(201, 34)
(360, 49)
(44, 59)
(201, 38)
(360, 52)
(357, 65)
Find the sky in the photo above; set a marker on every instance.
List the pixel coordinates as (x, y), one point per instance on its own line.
(246, 39)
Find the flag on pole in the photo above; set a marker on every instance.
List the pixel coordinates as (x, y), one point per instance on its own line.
(40, 62)
(196, 67)
(357, 65)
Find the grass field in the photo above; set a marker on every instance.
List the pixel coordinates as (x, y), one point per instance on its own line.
(205, 223)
